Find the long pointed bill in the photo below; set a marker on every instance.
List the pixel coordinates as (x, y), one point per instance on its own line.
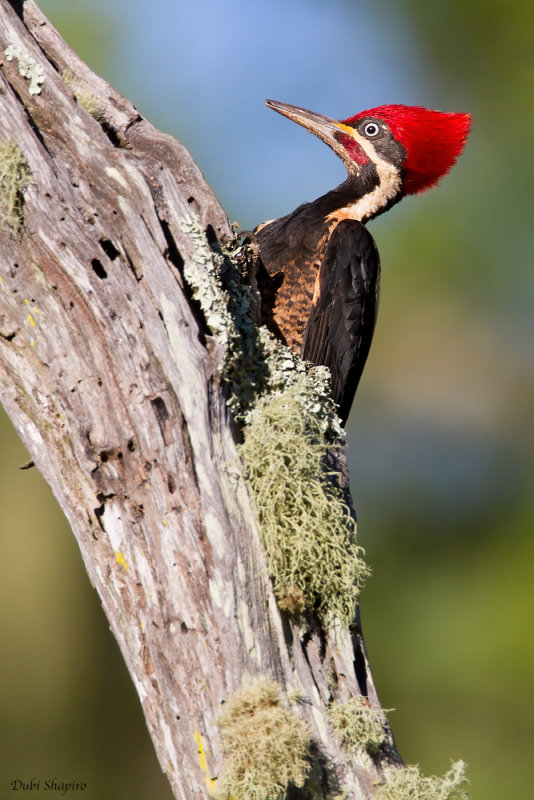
(332, 132)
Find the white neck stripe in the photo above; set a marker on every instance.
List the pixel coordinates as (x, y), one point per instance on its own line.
(389, 181)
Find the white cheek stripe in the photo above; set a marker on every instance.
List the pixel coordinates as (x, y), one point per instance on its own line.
(388, 186)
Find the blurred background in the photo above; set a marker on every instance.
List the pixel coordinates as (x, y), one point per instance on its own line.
(441, 445)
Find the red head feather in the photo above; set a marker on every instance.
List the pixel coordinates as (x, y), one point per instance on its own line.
(433, 140)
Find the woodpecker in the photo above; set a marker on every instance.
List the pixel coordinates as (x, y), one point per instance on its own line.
(319, 270)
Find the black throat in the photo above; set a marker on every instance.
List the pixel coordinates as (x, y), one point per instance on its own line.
(350, 191)
(318, 213)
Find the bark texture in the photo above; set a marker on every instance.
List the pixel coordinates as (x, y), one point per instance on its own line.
(109, 376)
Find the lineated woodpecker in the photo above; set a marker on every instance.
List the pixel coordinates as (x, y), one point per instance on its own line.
(319, 272)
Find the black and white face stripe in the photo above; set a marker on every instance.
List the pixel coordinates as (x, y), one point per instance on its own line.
(386, 157)
(376, 132)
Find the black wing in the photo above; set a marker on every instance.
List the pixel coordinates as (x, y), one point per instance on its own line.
(342, 320)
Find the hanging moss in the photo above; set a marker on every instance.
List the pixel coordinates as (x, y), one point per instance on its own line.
(308, 533)
(408, 784)
(14, 177)
(266, 747)
(359, 725)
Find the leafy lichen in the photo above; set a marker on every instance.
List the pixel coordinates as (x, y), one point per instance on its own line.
(359, 725)
(407, 783)
(266, 746)
(29, 68)
(14, 177)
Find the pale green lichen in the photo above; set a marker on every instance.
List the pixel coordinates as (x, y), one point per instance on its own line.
(29, 68)
(204, 274)
(289, 424)
(307, 529)
(407, 783)
(310, 384)
(359, 725)
(266, 747)
(14, 177)
(84, 98)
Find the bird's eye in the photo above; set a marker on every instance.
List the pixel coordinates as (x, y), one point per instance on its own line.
(371, 129)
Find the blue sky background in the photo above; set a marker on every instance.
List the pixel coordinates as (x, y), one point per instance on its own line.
(203, 70)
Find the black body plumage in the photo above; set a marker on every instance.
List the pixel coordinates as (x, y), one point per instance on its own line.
(319, 283)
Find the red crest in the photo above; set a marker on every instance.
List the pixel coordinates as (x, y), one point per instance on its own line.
(433, 140)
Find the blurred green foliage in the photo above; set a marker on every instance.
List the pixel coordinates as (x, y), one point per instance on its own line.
(440, 438)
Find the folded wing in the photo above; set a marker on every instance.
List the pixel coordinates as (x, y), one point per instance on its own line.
(341, 323)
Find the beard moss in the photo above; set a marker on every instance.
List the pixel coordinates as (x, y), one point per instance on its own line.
(359, 725)
(14, 178)
(307, 530)
(266, 747)
(407, 783)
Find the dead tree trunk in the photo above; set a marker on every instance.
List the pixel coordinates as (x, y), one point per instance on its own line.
(111, 381)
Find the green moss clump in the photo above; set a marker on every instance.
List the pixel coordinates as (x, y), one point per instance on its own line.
(85, 99)
(266, 747)
(308, 532)
(359, 725)
(14, 177)
(408, 784)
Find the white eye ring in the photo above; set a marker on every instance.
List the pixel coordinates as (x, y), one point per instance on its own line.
(371, 129)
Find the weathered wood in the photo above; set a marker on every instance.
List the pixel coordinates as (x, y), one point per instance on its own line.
(110, 377)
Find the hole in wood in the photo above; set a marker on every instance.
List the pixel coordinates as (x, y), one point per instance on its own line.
(158, 404)
(99, 513)
(99, 269)
(360, 668)
(191, 201)
(109, 249)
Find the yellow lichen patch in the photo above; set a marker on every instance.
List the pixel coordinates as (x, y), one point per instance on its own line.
(32, 314)
(203, 762)
(121, 561)
(32, 320)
